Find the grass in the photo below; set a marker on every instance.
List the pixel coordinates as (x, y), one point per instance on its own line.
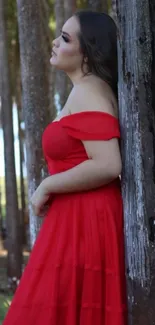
(4, 305)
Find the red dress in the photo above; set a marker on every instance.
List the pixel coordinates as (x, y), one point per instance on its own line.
(76, 272)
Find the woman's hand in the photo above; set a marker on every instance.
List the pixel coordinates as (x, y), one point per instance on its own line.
(39, 200)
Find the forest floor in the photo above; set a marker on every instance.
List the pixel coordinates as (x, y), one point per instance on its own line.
(5, 295)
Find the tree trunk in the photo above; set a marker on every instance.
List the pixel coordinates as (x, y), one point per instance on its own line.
(69, 9)
(1, 221)
(137, 121)
(105, 6)
(113, 13)
(22, 185)
(21, 135)
(95, 5)
(21, 157)
(12, 213)
(47, 38)
(35, 96)
(152, 17)
(60, 77)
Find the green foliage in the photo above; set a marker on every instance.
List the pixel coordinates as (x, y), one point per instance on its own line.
(52, 23)
(11, 16)
(3, 211)
(82, 4)
(4, 305)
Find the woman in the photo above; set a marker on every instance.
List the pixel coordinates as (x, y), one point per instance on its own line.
(76, 272)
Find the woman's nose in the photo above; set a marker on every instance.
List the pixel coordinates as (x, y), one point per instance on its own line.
(55, 42)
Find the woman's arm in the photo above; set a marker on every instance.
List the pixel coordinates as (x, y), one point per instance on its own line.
(103, 166)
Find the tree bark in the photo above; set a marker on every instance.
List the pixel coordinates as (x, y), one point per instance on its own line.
(18, 100)
(95, 5)
(1, 221)
(35, 96)
(14, 260)
(105, 6)
(152, 17)
(21, 157)
(22, 185)
(47, 38)
(137, 121)
(60, 77)
(113, 13)
(69, 8)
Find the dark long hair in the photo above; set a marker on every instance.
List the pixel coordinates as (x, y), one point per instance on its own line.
(98, 40)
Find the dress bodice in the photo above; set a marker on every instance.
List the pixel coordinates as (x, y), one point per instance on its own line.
(62, 140)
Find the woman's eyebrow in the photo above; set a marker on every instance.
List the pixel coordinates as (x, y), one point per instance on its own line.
(65, 33)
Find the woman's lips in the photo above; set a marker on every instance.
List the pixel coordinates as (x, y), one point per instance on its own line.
(53, 53)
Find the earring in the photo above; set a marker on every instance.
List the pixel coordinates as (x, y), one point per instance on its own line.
(85, 59)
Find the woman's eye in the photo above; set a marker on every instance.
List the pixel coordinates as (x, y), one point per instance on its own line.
(65, 39)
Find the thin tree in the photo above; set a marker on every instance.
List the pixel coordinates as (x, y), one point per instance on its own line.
(105, 6)
(63, 11)
(95, 5)
(17, 95)
(69, 8)
(21, 157)
(1, 221)
(35, 91)
(137, 121)
(60, 77)
(112, 11)
(47, 39)
(14, 259)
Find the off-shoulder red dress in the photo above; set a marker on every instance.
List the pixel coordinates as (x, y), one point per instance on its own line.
(76, 271)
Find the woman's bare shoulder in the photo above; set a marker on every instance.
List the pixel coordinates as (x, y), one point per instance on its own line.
(85, 98)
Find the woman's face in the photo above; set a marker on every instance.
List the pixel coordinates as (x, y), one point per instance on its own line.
(66, 52)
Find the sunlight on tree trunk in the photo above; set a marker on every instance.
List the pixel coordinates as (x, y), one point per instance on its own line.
(21, 158)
